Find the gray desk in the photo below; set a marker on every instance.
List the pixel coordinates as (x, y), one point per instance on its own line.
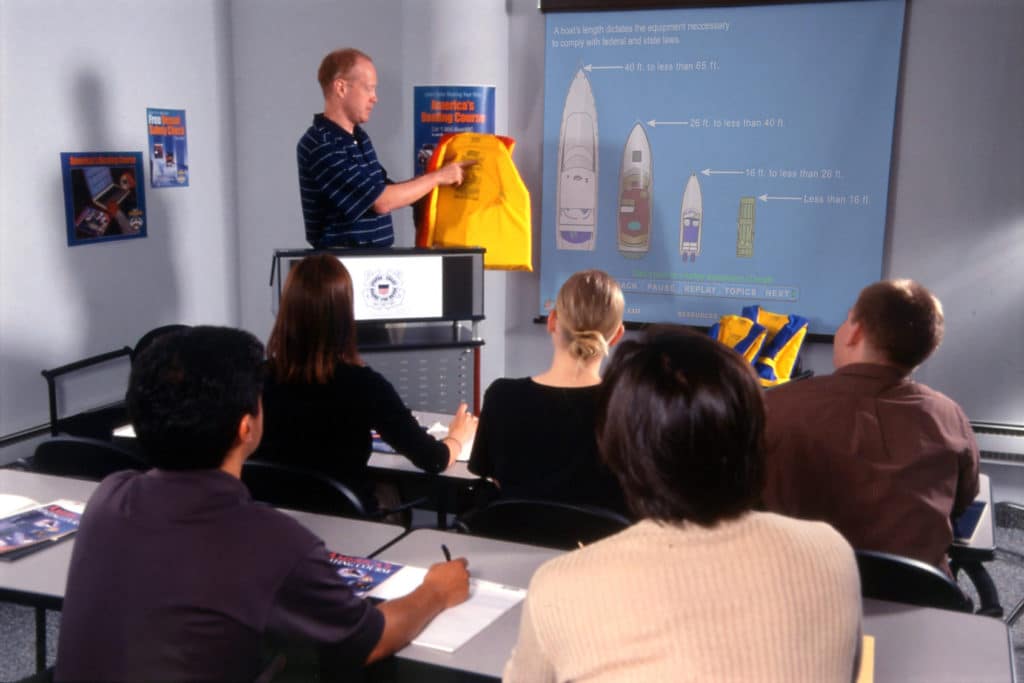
(511, 564)
(937, 646)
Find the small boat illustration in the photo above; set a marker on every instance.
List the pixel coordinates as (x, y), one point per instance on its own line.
(635, 182)
(576, 195)
(690, 220)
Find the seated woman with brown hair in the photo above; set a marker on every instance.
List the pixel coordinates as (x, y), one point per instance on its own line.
(703, 588)
(536, 437)
(320, 400)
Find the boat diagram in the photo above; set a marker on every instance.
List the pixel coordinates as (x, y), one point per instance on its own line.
(635, 194)
(691, 220)
(576, 200)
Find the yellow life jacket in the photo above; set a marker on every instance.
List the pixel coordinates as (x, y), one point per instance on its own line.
(490, 209)
(786, 335)
(739, 333)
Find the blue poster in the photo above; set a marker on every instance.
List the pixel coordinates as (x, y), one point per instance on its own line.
(715, 158)
(103, 199)
(442, 109)
(168, 148)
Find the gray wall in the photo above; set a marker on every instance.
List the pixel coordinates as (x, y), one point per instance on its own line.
(78, 76)
(958, 209)
(245, 75)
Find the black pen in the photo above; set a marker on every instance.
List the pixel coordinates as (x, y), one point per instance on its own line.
(447, 553)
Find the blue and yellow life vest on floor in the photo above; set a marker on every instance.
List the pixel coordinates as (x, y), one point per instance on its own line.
(770, 341)
(742, 334)
(785, 337)
(490, 209)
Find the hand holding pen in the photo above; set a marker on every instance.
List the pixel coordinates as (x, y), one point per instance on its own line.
(450, 578)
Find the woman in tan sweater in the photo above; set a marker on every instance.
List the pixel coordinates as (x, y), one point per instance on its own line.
(703, 588)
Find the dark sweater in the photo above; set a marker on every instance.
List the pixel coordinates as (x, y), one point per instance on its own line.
(539, 442)
(327, 427)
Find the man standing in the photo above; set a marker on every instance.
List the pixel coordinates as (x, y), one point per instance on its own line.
(346, 194)
(885, 460)
(177, 574)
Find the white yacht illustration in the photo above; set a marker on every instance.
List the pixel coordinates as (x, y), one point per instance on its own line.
(576, 196)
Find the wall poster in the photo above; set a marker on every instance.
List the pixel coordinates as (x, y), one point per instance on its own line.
(168, 148)
(103, 199)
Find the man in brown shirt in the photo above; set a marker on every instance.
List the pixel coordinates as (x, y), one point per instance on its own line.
(885, 460)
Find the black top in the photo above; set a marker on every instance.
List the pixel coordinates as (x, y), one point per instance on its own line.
(326, 427)
(177, 576)
(539, 442)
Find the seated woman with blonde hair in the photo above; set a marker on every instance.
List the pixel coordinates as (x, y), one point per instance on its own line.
(536, 434)
(320, 399)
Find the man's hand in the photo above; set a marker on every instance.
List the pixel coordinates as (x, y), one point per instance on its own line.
(453, 173)
(450, 580)
(445, 585)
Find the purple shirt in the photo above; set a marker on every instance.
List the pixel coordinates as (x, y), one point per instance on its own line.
(179, 575)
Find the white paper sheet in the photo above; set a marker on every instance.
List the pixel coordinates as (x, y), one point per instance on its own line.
(457, 625)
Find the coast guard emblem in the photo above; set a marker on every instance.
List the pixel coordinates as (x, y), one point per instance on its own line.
(383, 290)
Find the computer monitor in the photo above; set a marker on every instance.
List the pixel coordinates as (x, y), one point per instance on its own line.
(407, 285)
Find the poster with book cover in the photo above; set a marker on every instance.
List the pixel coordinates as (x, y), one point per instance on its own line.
(103, 196)
(442, 109)
(33, 529)
(168, 148)
(362, 574)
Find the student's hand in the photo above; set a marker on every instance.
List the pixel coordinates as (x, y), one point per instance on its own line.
(450, 580)
(462, 428)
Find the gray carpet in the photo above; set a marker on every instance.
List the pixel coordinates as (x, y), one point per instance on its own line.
(17, 624)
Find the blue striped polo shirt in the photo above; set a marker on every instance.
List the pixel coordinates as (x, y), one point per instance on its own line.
(339, 180)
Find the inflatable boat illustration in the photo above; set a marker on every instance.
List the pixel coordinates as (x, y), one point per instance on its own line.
(690, 220)
(745, 228)
(635, 184)
(576, 196)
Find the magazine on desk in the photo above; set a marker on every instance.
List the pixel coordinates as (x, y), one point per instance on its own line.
(362, 574)
(449, 630)
(27, 530)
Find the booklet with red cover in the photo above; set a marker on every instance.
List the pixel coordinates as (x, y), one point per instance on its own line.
(29, 530)
(362, 574)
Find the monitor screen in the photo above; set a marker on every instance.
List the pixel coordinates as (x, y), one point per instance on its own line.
(387, 288)
(405, 285)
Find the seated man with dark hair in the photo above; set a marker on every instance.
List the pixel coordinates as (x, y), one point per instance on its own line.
(177, 574)
(885, 460)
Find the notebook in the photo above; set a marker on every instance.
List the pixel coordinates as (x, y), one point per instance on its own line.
(966, 525)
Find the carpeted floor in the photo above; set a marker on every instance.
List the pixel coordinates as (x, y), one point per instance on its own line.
(17, 625)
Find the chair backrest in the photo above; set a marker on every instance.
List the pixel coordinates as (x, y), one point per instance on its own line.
(97, 423)
(82, 457)
(298, 488)
(901, 579)
(542, 522)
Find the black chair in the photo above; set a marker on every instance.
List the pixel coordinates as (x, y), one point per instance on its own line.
(97, 423)
(298, 488)
(82, 457)
(100, 422)
(901, 579)
(541, 522)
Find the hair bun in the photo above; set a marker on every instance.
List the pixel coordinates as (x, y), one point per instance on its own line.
(587, 344)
